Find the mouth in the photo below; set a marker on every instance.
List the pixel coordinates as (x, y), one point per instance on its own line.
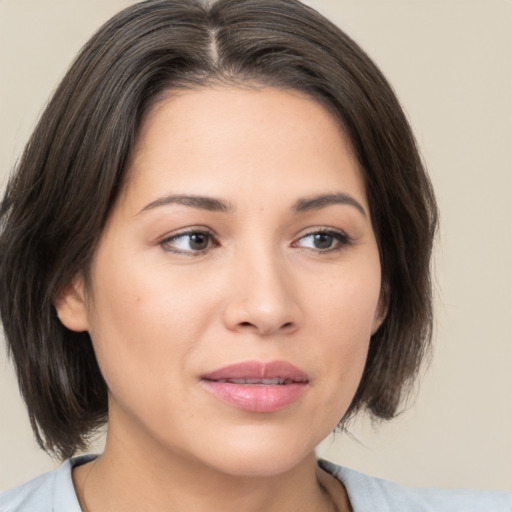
(257, 387)
(258, 382)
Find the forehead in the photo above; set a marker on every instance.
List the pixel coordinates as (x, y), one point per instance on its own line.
(251, 137)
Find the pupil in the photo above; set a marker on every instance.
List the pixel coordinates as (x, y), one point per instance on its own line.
(198, 241)
(323, 241)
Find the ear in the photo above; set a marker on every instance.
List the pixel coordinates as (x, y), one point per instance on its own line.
(382, 308)
(71, 305)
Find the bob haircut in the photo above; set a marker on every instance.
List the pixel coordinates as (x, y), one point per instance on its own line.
(70, 174)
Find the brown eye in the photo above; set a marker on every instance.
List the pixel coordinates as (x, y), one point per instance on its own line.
(188, 242)
(199, 241)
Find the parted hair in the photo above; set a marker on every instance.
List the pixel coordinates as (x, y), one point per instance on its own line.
(62, 189)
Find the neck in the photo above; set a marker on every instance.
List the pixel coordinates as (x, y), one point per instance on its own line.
(137, 472)
(128, 476)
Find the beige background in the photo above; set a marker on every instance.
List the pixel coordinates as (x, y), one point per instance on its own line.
(450, 63)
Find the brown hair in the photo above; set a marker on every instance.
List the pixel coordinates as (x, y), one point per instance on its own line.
(61, 193)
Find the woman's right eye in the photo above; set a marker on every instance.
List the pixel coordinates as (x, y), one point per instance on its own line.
(189, 242)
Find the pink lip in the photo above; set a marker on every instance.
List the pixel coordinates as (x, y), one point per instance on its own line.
(256, 396)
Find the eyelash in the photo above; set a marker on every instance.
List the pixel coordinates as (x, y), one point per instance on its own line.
(165, 244)
(339, 238)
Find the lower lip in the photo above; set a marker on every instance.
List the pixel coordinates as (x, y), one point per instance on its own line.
(256, 398)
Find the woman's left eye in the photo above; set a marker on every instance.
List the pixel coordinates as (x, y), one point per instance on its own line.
(189, 242)
(323, 241)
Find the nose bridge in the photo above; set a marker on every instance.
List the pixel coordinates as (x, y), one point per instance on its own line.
(262, 298)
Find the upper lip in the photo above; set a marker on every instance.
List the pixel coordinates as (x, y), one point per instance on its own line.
(256, 370)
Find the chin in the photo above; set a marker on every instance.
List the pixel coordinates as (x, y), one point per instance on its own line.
(260, 451)
(258, 465)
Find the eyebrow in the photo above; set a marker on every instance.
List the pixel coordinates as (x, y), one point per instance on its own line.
(202, 202)
(324, 200)
(218, 205)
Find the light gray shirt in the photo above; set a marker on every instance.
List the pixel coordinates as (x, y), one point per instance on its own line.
(54, 492)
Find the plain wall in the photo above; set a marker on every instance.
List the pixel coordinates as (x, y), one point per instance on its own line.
(450, 64)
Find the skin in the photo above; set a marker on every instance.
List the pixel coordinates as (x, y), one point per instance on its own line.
(161, 313)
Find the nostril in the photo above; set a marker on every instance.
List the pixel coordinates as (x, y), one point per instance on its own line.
(286, 325)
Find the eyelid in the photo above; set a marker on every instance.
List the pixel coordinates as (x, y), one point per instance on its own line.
(342, 238)
(339, 235)
(166, 239)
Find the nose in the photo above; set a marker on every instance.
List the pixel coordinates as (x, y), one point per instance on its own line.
(262, 298)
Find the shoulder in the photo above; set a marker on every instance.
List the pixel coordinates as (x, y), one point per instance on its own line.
(49, 492)
(369, 493)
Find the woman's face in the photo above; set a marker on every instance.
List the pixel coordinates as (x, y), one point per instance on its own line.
(236, 284)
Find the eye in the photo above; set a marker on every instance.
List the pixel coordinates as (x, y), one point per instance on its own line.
(323, 241)
(189, 242)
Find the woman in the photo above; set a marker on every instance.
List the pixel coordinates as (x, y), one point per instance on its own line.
(218, 238)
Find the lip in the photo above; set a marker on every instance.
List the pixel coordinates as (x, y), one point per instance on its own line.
(269, 387)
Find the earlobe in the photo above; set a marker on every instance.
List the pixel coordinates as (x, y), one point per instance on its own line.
(382, 309)
(71, 307)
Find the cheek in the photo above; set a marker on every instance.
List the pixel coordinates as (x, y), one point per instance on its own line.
(347, 301)
(344, 313)
(145, 326)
